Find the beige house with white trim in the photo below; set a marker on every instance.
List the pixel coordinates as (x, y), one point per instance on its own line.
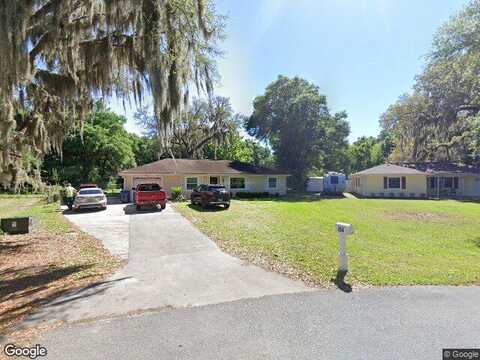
(418, 180)
(189, 174)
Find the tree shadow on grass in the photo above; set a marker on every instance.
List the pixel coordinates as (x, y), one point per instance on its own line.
(27, 289)
(210, 208)
(476, 241)
(11, 247)
(36, 278)
(295, 197)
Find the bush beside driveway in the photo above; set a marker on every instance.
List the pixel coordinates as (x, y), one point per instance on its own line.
(397, 242)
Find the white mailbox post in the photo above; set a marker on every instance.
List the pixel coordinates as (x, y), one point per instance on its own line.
(343, 230)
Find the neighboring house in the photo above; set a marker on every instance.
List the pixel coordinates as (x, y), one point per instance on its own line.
(188, 174)
(430, 179)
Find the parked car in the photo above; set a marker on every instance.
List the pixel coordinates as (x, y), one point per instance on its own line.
(84, 186)
(206, 195)
(93, 197)
(150, 195)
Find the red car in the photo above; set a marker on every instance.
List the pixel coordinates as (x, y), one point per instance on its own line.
(150, 195)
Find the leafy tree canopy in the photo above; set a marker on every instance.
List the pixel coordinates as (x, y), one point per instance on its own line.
(439, 120)
(294, 118)
(364, 153)
(207, 130)
(57, 56)
(105, 149)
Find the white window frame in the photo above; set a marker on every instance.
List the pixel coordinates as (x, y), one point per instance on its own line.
(186, 182)
(238, 177)
(276, 182)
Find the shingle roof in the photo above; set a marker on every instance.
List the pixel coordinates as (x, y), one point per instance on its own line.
(387, 169)
(420, 168)
(443, 167)
(188, 166)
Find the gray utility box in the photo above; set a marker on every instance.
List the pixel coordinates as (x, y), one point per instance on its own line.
(20, 225)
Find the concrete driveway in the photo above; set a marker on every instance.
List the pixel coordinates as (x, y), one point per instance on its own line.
(170, 264)
(111, 226)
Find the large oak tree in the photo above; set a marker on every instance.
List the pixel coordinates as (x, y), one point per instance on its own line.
(440, 119)
(57, 56)
(294, 118)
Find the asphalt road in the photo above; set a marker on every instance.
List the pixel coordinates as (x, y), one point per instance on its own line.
(389, 323)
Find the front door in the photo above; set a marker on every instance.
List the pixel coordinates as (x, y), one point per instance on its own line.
(213, 180)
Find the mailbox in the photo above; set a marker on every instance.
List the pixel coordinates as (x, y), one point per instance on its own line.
(20, 225)
(344, 228)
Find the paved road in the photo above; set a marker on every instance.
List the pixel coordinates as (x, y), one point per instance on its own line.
(390, 323)
(170, 263)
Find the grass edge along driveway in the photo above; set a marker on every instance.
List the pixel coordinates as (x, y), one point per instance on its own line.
(51, 261)
(396, 242)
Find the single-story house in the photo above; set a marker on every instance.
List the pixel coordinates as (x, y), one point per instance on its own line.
(429, 179)
(189, 174)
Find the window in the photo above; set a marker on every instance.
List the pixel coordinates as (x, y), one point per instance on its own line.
(448, 182)
(149, 187)
(272, 183)
(237, 183)
(334, 180)
(191, 183)
(394, 183)
(404, 182)
(91, 192)
(213, 180)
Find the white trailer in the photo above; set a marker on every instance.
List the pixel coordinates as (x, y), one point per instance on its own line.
(315, 184)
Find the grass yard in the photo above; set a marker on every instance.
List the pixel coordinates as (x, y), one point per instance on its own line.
(396, 242)
(51, 261)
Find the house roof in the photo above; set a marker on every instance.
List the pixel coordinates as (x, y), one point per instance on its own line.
(189, 166)
(439, 167)
(389, 169)
(425, 168)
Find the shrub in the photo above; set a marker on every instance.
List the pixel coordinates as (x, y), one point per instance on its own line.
(53, 194)
(177, 193)
(252, 195)
(112, 184)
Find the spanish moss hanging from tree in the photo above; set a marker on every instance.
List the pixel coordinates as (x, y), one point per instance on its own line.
(57, 56)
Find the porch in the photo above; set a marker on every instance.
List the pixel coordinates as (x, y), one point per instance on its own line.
(445, 186)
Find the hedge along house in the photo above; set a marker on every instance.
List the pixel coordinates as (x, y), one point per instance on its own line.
(422, 180)
(189, 174)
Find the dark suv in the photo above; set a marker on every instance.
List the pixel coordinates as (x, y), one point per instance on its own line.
(206, 195)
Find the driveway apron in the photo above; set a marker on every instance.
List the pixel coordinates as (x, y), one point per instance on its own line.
(170, 264)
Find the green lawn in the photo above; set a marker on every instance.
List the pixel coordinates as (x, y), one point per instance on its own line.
(396, 242)
(47, 216)
(52, 260)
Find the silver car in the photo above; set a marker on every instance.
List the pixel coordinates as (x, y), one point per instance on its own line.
(90, 198)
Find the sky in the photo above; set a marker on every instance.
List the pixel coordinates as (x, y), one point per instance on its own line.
(362, 54)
